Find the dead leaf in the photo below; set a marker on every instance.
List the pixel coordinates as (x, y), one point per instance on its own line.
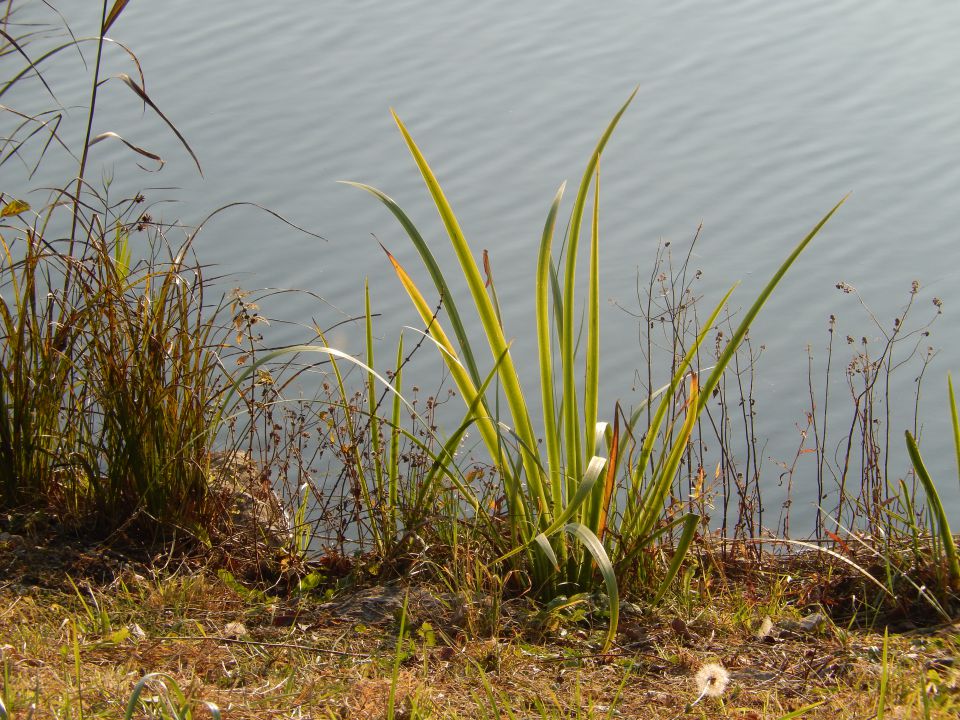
(14, 207)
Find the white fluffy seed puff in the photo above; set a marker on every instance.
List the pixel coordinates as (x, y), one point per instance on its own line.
(712, 680)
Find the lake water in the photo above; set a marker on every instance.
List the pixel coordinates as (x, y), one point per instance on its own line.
(753, 118)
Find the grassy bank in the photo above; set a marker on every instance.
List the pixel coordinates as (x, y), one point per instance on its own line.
(290, 532)
(77, 640)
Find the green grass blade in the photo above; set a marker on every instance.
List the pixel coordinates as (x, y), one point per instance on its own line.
(634, 510)
(393, 468)
(492, 287)
(585, 490)
(546, 548)
(744, 325)
(468, 391)
(557, 294)
(592, 512)
(445, 458)
(591, 379)
(656, 493)
(690, 522)
(884, 675)
(642, 406)
(574, 449)
(397, 657)
(167, 682)
(595, 548)
(121, 253)
(545, 354)
(374, 421)
(936, 509)
(800, 712)
(135, 695)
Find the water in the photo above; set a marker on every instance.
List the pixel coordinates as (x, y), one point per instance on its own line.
(752, 117)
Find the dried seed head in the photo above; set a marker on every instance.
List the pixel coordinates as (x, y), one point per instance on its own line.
(712, 680)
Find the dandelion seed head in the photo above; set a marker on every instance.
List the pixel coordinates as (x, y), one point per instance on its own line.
(712, 680)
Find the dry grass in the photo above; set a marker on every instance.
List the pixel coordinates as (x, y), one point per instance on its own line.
(80, 626)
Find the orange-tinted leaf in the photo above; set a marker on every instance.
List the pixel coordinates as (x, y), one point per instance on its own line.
(114, 13)
(611, 474)
(838, 540)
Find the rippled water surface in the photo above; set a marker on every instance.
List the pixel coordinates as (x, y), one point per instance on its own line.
(753, 118)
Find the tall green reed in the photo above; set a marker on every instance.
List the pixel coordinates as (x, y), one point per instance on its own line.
(569, 491)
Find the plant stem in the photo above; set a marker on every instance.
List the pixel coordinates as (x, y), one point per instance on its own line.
(86, 145)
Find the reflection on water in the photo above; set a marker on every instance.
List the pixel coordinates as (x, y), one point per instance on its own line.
(753, 118)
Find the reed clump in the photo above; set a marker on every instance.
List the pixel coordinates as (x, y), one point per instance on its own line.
(110, 376)
(593, 501)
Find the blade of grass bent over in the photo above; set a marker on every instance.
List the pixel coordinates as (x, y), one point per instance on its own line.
(142, 94)
(236, 382)
(595, 548)
(837, 556)
(435, 274)
(584, 490)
